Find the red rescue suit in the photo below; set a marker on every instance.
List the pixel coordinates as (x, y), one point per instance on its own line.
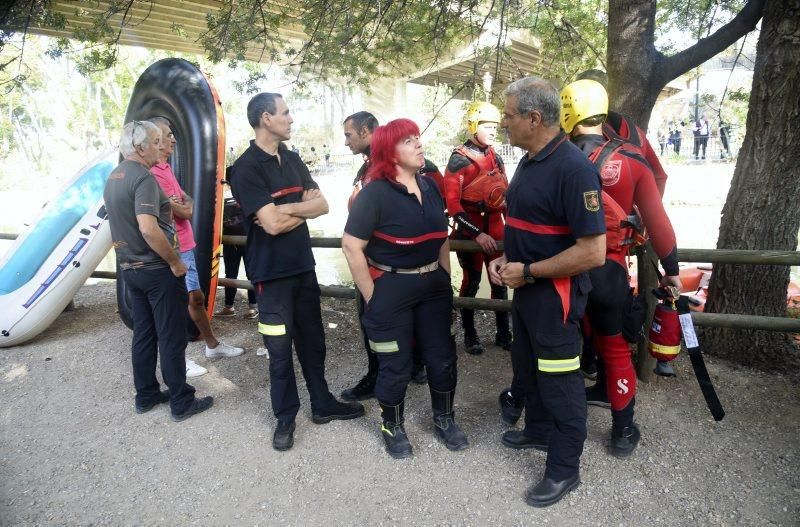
(619, 125)
(628, 180)
(474, 188)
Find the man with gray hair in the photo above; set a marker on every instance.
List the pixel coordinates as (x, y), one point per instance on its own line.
(140, 217)
(554, 233)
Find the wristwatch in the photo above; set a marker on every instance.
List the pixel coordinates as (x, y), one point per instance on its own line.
(526, 274)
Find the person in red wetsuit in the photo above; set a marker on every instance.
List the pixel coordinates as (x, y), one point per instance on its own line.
(629, 184)
(474, 187)
(630, 132)
(619, 124)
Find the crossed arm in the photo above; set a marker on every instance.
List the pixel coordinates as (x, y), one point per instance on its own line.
(277, 219)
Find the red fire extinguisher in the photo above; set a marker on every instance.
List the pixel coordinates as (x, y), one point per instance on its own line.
(665, 331)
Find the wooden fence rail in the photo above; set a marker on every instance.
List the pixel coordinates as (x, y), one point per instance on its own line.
(646, 275)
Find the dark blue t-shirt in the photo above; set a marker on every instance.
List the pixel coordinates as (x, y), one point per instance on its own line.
(553, 199)
(401, 231)
(257, 179)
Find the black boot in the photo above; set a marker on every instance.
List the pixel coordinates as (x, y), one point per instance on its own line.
(503, 336)
(394, 435)
(472, 345)
(365, 388)
(596, 396)
(510, 408)
(624, 440)
(444, 420)
(625, 434)
(418, 374)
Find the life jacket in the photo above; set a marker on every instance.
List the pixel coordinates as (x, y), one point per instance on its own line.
(487, 190)
(623, 230)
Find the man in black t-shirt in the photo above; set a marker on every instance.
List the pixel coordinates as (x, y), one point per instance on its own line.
(140, 218)
(277, 195)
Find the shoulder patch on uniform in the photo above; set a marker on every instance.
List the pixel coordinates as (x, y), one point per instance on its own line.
(591, 201)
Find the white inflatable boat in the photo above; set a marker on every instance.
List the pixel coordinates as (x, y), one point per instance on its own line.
(52, 259)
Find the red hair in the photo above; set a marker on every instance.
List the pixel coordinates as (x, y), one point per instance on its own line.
(382, 158)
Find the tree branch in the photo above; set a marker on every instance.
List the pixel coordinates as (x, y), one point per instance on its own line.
(705, 48)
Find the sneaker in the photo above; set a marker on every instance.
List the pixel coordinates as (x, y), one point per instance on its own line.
(197, 406)
(227, 311)
(337, 410)
(624, 441)
(262, 351)
(162, 397)
(597, 397)
(251, 313)
(223, 350)
(193, 369)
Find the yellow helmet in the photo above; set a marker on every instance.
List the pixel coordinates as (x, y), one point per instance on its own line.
(580, 100)
(480, 112)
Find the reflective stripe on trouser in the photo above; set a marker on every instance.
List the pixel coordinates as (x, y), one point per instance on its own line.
(555, 402)
(410, 310)
(289, 311)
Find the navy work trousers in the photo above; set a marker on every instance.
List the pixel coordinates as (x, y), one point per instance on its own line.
(159, 303)
(289, 312)
(408, 310)
(555, 403)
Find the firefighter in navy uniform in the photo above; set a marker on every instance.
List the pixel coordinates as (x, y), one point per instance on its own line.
(396, 246)
(628, 182)
(277, 195)
(474, 187)
(358, 129)
(554, 234)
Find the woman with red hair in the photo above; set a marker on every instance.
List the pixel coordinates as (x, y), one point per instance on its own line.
(396, 245)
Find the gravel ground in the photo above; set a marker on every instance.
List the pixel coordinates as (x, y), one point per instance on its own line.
(72, 450)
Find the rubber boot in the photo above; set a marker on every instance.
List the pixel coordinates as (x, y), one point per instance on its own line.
(444, 421)
(394, 435)
(472, 345)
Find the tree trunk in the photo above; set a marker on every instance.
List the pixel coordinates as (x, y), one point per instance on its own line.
(637, 71)
(632, 58)
(762, 210)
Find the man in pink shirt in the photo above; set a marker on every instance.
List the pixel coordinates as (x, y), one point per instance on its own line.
(182, 205)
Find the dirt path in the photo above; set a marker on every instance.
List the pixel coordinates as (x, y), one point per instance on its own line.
(72, 450)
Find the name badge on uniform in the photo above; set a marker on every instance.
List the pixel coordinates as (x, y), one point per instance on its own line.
(591, 201)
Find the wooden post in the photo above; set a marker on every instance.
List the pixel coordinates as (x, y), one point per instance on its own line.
(647, 280)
